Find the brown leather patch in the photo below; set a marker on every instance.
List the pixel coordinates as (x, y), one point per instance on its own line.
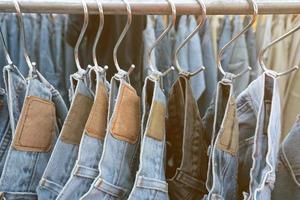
(96, 123)
(36, 125)
(77, 116)
(229, 135)
(156, 123)
(126, 118)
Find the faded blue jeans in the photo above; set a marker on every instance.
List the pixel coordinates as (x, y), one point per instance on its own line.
(66, 148)
(150, 181)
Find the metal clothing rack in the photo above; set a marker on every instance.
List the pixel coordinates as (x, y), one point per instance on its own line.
(158, 7)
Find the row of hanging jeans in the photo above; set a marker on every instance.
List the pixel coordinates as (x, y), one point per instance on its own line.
(112, 144)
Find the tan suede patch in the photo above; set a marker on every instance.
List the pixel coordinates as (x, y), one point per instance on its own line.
(156, 125)
(78, 114)
(229, 136)
(96, 123)
(35, 129)
(126, 119)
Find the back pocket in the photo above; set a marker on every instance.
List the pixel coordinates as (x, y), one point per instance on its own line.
(36, 126)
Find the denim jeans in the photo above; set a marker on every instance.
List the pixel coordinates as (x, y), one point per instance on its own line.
(33, 139)
(150, 181)
(65, 152)
(91, 145)
(186, 148)
(119, 161)
(13, 42)
(5, 131)
(259, 124)
(223, 154)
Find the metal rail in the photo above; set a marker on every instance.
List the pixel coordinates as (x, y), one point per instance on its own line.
(159, 7)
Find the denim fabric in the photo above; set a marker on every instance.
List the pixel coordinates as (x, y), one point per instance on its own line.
(223, 160)
(13, 42)
(287, 185)
(210, 71)
(26, 161)
(90, 151)
(259, 124)
(65, 152)
(164, 52)
(5, 132)
(3, 62)
(186, 148)
(119, 161)
(150, 181)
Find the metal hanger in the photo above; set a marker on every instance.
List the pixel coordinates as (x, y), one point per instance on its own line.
(81, 36)
(7, 56)
(245, 29)
(263, 51)
(31, 65)
(160, 37)
(125, 30)
(186, 40)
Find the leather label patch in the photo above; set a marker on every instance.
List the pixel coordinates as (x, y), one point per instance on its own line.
(77, 116)
(229, 136)
(156, 123)
(126, 120)
(96, 123)
(35, 129)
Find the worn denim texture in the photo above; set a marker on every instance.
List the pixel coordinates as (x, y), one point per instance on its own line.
(90, 151)
(287, 185)
(24, 168)
(65, 153)
(119, 161)
(13, 42)
(150, 181)
(223, 154)
(259, 123)
(5, 132)
(186, 148)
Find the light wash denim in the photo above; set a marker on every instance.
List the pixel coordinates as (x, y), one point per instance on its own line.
(13, 43)
(190, 56)
(259, 115)
(65, 152)
(3, 29)
(223, 157)
(119, 161)
(26, 161)
(210, 71)
(5, 132)
(150, 181)
(164, 53)
(90, 151)
(287, 185)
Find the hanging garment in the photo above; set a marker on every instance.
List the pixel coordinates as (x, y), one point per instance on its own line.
(287, 174)
(91, 145)
(13, 40)
(150, 181)
(33, 139)
(259, 113)
(186, 148)
(119, 161)
(223, 154)
(5, 131)
(66, 148)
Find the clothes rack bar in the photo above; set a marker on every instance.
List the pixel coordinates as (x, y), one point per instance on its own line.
(159, 7)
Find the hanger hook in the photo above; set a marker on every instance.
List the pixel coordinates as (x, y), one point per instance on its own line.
(122, 36)
(245, 29)
(264, 50)
(161, 36)
(81, 36)
(186, 40)
(31, 65)
(7, 56)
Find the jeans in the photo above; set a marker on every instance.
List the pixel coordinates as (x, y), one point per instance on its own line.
(5, 132)
(66, 148)
(259, 137)
(287, 174)
(91, 145)
(119, 161)
(223, 154)
(33, 140)
(186, 148)
(150, 181)
(13, 42)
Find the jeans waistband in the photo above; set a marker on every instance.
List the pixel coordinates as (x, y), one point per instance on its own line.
(189, 181)
(150, 183)
(86, 172)
(18, 195)
(109, 188)
(51, 186)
